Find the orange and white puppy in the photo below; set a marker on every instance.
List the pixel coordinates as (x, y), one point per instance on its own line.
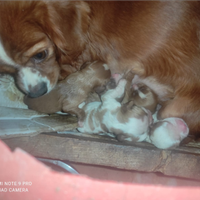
(128, 122)
(168, 133)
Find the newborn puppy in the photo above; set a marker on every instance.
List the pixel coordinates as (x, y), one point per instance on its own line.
(69, 93)
(144, 97)
(168, 133)
(165, 133)
(139, 93)
(127, 122)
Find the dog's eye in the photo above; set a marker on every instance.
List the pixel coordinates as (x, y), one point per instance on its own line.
(39, 57)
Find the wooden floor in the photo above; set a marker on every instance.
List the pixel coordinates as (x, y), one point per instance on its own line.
(181, 162)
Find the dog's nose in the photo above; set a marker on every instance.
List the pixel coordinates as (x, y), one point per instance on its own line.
(38, 90)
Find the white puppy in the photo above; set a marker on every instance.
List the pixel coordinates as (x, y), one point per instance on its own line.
(168, 133)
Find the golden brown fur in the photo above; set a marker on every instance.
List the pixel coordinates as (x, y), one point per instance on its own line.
(159, 40)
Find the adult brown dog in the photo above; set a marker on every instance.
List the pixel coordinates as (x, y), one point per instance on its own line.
(159, 41)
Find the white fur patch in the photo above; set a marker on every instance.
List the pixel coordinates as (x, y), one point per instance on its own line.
(31, 77)
(5, 58)
(142, 95)
(134, 127)
(81, 105)
(162, 139)
(169, 133)
(105, 66)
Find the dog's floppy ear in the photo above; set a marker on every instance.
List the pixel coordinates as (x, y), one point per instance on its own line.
(66, 24)
(7, 70)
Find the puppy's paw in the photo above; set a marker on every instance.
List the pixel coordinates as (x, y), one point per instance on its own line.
(122, 83)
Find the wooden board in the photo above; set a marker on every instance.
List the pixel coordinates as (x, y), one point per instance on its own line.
(180, 162)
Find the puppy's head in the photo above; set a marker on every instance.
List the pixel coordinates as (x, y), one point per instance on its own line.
(143, 96)
(32, 42)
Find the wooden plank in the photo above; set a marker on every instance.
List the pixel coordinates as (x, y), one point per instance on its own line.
(173, 162)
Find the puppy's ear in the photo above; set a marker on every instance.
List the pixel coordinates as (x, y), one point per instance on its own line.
(67, 22)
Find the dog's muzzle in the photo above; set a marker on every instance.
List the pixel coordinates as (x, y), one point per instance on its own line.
(38, 90)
